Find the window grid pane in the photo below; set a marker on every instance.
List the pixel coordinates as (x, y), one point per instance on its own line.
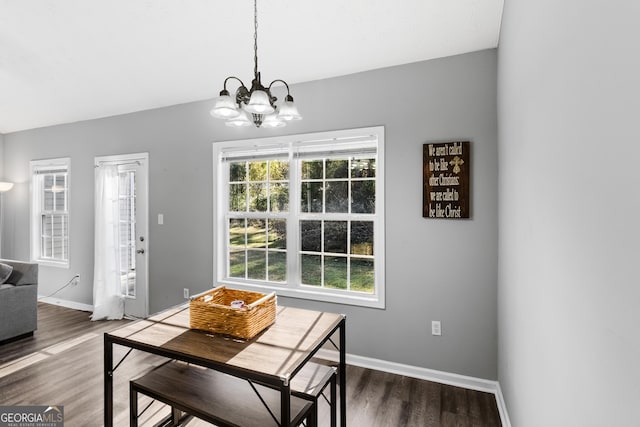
(343, 252)
(54, 241)
(257, 249)
(340, 188)
(54, 226)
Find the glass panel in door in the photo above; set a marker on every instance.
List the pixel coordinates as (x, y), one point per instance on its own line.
(127, 226)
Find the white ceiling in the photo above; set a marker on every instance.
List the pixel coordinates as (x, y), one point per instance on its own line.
(63, 61)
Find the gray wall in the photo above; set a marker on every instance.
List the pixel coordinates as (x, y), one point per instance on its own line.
(569, 98)
(2, 178)
(1, 156)
(435, 269)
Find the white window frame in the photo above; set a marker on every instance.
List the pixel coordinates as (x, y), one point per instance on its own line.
(291, 144)
(38, 167)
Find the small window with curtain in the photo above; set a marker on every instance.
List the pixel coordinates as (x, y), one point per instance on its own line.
(50, 211)
(302, 215)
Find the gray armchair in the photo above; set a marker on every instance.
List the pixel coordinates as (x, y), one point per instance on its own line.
(19, 300)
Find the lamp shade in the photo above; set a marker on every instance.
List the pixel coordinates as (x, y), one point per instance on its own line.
(273, 121)
(241, 120)
(5, 186)
(288, 111)
(224, 107)
(259, 103)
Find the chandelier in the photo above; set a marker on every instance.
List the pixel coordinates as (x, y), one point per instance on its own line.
(257, 105)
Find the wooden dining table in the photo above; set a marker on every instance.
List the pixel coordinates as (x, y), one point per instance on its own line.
(271, 358)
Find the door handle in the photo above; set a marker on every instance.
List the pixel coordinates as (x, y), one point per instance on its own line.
(140, 251)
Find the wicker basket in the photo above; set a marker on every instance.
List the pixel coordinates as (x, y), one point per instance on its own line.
(211, 311)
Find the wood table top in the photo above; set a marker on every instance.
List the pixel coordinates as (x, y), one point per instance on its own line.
(278, 351)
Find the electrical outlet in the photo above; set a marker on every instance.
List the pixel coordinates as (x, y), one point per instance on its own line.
(436, 328)
(76, 280)
(185, 292)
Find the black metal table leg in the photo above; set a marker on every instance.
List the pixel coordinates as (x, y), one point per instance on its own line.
(108, 382)
(133, 406)
(334, 407)
(343, 374)
(285, 405)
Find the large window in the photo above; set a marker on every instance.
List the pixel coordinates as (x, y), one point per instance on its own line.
(50, 212)
(303, 215)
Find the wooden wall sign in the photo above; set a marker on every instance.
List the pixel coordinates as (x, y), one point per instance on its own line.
(446, 175)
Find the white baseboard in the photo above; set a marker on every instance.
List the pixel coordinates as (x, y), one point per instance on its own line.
(66, 303)
(471, 383)
(502, 407)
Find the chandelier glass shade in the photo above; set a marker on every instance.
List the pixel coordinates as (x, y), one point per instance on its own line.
(5, 186)
(257, 105)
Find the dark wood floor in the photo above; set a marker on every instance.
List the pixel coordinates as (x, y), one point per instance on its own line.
(62, 365)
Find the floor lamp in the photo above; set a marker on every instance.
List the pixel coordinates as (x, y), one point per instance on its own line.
(4, 187)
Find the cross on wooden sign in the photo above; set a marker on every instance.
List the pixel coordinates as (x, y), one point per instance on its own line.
(456, 162)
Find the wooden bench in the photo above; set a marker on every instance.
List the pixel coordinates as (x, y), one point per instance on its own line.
(228, 401)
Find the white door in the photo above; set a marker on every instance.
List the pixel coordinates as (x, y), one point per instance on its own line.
(133, 230)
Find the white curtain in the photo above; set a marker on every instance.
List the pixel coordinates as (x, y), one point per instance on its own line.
(108, 302)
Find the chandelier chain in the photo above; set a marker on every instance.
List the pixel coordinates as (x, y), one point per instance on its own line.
(255, 38)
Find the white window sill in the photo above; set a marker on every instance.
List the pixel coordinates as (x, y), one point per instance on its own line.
(50, 263)
(309, 293)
